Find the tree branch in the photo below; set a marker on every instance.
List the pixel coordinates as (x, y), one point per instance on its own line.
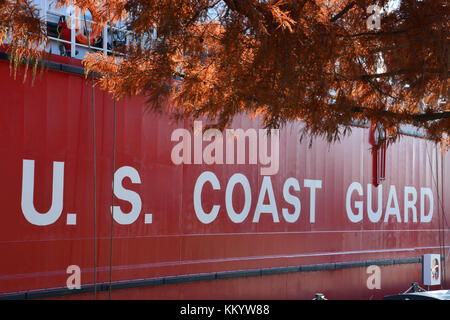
(344, 11)
(414, 117)
(389, 74)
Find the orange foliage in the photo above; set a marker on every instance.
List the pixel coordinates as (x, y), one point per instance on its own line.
(309, 60)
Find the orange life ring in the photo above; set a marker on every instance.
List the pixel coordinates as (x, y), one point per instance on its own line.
(93, 35)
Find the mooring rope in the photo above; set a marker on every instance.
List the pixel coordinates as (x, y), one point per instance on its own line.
(113, 171)
(112, 201)
(444, 274)
(442, 221)
(95, 191)
(94, 171)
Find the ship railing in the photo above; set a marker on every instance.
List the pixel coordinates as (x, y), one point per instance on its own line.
(50, 15)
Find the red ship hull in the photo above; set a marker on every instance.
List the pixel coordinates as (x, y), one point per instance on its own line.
(167, 251)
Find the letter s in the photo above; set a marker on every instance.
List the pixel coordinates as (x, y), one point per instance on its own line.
(128, 195)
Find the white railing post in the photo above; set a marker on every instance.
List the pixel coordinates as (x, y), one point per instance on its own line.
(44, 9)
(73, 26)
(72, 43)
(43, 12)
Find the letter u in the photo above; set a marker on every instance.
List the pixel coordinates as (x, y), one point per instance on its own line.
(28, 209)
